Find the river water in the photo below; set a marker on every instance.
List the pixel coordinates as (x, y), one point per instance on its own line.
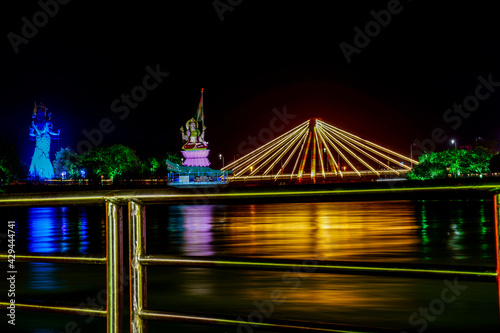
(438, 232)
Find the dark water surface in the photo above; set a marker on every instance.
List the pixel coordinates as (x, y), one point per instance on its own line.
(443, 232)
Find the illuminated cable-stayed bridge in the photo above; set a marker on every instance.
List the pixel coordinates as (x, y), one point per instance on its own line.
(317, 151)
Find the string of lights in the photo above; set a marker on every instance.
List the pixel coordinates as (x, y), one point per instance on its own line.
(318, 150)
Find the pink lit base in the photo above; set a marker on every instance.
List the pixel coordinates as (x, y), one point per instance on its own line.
(196, 157)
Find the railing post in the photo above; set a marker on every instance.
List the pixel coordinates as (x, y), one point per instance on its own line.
(114, 267)
(496, 201)
(137, 248)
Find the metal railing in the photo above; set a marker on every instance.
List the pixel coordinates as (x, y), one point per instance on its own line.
(139, 260)
(112, 260)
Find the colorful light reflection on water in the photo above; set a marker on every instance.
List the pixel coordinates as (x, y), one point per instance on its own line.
(334, 231)
(433, 231)
(445, 231)
(436, 232)
(54, 230)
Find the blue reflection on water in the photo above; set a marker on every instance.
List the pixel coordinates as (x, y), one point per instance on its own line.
(64, 230)
(42, 229)
(83, 232)
(43, 239)
(43, 276)
(57, 229)
(54, 230)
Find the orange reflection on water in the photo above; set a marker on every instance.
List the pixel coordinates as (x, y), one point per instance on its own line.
(330, 230)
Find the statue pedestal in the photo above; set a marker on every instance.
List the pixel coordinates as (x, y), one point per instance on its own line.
(196, 157)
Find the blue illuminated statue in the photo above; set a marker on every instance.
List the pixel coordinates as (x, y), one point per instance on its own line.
(41, 132)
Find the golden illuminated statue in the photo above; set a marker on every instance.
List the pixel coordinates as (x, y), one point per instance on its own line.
(193, 138)
(195, 148)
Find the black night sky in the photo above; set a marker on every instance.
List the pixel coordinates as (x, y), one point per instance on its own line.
(263, 55)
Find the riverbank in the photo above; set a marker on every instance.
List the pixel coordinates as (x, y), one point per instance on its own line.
(461, 188)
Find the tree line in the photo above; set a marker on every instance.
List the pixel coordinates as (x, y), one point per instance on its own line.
(115, 162)
(118, 162)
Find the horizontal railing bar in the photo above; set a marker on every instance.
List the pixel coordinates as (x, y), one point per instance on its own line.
(148, 198)
(324, 267)
(55, 259)
(58, 199)
(282, 325)
(173, 194)
(57, 309)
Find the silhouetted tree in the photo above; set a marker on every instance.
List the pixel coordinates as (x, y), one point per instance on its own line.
(10, 164)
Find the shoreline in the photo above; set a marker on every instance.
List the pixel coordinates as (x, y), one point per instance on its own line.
(466, 188)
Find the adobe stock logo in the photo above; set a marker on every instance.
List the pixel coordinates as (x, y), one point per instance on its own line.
(222, 6)
(29, 29)
(437, 306)
(276, 125)
(372, 29)
(471, 103)
(122, 106)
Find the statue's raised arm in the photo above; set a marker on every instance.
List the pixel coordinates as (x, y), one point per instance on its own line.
(184, 136)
